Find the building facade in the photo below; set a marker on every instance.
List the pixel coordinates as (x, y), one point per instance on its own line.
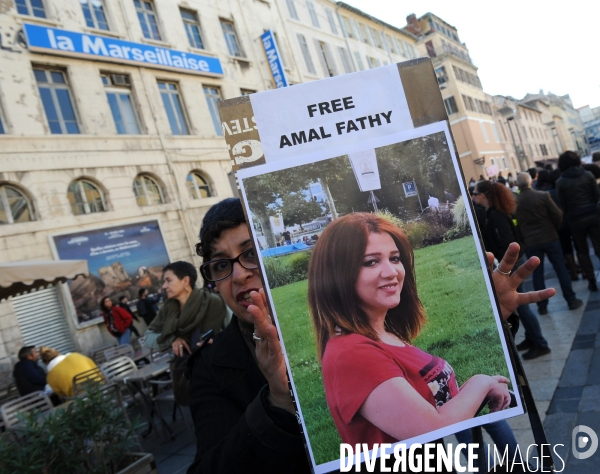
(108, 117)
(591, 122)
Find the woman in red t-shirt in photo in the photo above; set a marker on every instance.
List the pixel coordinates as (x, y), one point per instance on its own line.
(366, 311)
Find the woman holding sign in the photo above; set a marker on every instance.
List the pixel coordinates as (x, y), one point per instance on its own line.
(366, 310)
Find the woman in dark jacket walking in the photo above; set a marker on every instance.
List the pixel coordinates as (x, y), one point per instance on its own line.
(498, 232)
(578, 195)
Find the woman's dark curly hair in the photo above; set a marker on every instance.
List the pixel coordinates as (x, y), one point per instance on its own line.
(498, 196)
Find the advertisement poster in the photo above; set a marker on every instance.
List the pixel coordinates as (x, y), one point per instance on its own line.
(121, 259)
(384, 307)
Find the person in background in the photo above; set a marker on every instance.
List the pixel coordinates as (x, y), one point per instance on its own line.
(123, 303)
(539, 219)
(29, 376)
(578, 195)
(287, 237)
(146, 306)
(117, 320)
(498, 231)
(533, 172)
(449, 197)
(596, 157)
(62, 369)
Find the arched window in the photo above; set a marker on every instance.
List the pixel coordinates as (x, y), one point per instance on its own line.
(199, 186)
(147, 191)
(86, 197)
(14, 206)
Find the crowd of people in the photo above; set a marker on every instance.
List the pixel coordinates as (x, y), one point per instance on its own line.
(364, 304)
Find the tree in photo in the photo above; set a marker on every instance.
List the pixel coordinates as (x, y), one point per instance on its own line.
(297, 209)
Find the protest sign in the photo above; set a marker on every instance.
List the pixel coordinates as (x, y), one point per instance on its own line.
(332, 159)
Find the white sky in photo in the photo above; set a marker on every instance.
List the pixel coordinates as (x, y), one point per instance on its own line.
(519, 46)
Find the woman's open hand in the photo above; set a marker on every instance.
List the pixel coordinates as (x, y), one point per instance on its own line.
(506, 286)
(498, 395)
(268, 353)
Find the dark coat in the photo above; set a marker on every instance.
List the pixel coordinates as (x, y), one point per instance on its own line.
(578, 192)
(29, 377)
(237, 431)
(145, 308)
(498, 232)
(538, 217)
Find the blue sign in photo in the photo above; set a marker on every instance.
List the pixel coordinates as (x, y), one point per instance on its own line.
(274, 59)
(121, 260)
(71, 43)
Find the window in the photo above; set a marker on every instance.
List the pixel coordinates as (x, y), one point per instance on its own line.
(31, 8)
(331, 20)
(213, 95)
(313, 14)
(441, 75)
(198, 186)
(246, 92)
(484, 132)
(147, 191)
(544, 150)
(93, 11)
(233, 45)
(495, 132)
(14, 206)
(118, 93)
(192, 28)
(346, 59)
(147, 17)
(346, 27)
(362, 31)
(430, 49)
(56, 97)
(292, 9)
(450, 104)
(173, 107)
(85, 197)
(359, 62)
(373, 62)
(504, 163)
(310, 67)
(326, 57)
(2, 126)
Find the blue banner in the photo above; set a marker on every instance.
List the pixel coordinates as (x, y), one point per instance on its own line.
(274, 59)
(71, 43)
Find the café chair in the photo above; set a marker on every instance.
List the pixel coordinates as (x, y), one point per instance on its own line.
(34, 402)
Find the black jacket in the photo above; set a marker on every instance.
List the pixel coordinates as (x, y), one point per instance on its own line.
(236, 429)
(29, 377)
(498, 232)
(538, 217)
(578, 192)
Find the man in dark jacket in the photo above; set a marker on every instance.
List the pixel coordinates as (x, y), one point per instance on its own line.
(539, 219)
(578, 195)
(29, 376)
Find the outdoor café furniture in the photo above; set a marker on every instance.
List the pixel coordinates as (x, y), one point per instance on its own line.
(79, 381)
(124, 350)
(162, 391)
(136, 382)
(97, 352)
(117, 369)
(36, 401)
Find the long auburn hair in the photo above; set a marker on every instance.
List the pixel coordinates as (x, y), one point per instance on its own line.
(499, 196)
(333, 271)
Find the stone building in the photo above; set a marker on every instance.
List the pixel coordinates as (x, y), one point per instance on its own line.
(108, 118)
(591, 122)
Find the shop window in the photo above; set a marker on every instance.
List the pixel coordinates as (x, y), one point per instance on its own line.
(199, 186)
(147, 191)
(94, 14)
(86, 197)
(173, 107)
(148, 19)
(56, 98)
(15, 207)
(122, 105)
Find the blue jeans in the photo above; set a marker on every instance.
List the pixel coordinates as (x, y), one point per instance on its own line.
(502, 435)
(125, 337)
(554, 253)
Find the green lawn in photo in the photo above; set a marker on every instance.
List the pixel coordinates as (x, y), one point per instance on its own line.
(460, 329)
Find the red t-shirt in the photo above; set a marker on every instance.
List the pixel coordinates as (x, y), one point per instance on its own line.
(354, 365)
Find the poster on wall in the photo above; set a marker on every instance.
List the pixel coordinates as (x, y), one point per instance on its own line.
(122, 259)
(385, 309)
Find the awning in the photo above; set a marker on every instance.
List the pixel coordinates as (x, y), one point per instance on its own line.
(21, 277)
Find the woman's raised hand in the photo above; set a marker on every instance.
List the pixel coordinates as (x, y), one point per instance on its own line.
(268, 353)
(506, 285)
(498, 395)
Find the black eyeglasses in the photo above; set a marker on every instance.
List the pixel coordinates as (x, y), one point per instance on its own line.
(475, 193)
(219, 269)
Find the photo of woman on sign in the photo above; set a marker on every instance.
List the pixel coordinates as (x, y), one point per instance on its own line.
(366, 311)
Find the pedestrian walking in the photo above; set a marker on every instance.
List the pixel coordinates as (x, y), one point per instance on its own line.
(539, 219)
